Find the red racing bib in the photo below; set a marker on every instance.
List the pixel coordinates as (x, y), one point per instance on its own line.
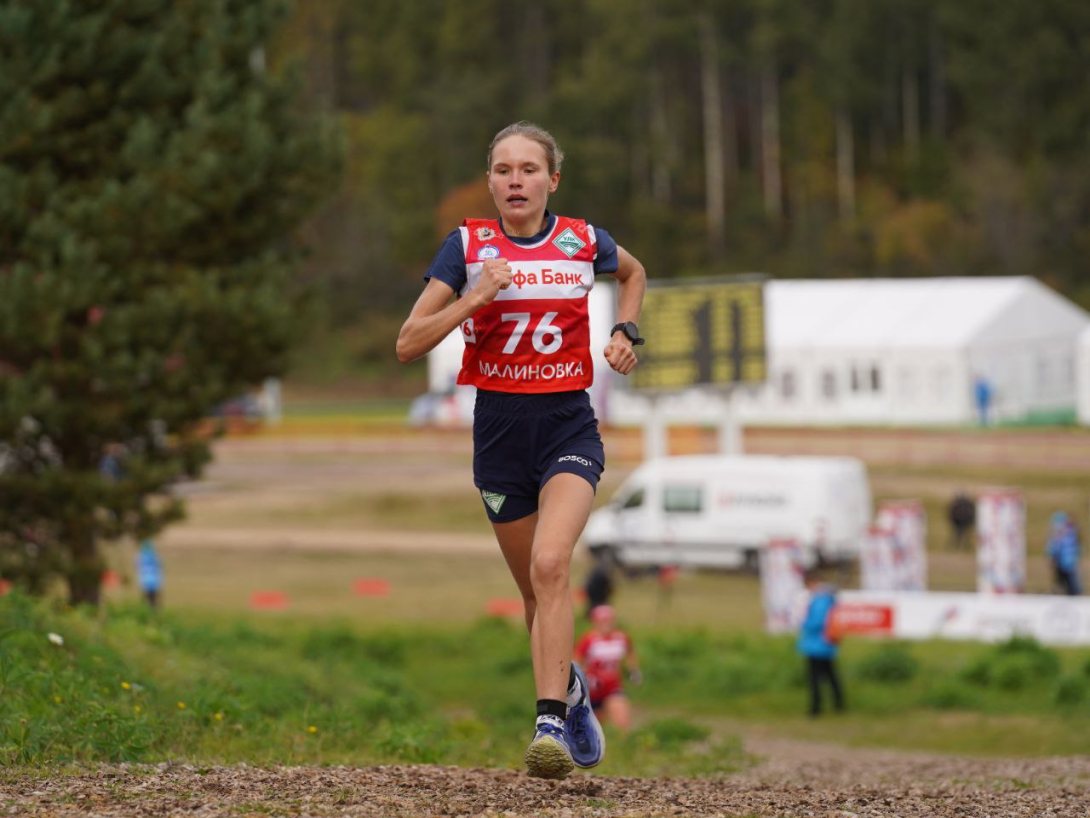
(535, 336)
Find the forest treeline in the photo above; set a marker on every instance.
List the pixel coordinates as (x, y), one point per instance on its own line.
(826, 138)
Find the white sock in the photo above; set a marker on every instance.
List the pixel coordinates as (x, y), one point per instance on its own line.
(574, 694)
(555, 721)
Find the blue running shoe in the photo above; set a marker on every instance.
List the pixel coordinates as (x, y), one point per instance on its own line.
(548, 755)
(585, 736)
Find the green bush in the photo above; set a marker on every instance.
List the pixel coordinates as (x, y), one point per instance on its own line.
(1071, 690)
(1013, 665)
(891, 663)
(1013, 671)
(949, 694)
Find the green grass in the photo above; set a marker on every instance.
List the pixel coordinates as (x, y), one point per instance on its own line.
(131, 685)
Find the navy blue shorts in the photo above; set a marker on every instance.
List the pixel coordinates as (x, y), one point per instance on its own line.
(520, 441)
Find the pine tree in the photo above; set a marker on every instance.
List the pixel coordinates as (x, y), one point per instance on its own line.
(152, 172)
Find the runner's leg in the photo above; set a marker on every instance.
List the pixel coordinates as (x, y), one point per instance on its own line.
(566, 501)
(516, 541)
(618, 711)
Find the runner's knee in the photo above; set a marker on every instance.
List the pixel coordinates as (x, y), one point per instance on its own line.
(550, 572)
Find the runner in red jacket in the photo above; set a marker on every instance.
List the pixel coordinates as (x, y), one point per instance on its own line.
(607, 656)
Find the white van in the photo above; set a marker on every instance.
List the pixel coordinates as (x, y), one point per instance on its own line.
(717, 511)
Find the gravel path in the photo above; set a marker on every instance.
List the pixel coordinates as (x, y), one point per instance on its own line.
(794, 779)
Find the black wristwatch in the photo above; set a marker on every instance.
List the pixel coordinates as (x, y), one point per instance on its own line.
(630, 330)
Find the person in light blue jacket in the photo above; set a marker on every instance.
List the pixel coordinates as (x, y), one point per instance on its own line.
(818, 645)
(1063, 550)
(149, 572)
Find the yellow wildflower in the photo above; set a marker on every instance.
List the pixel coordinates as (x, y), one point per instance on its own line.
(312, 729)
(181, 705)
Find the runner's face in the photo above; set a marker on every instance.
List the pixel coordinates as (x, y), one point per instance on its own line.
(520, 182)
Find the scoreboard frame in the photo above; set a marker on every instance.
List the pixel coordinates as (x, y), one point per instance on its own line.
(702, 332)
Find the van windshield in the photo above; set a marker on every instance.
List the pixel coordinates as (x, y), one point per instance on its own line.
(634, 500)
(683, 499)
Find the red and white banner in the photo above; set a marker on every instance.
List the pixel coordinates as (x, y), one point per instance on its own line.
(894, 556)
(783, 590)
(1053, 620)
(1001, 542)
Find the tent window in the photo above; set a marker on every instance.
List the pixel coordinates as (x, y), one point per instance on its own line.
(875, 379)
(1044, 374)
(942, 384)
(828, 384)
(906, 386)
(857, 381)
(787, 384)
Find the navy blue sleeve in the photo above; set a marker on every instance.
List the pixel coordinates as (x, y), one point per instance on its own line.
(449, 264)
(606, 262)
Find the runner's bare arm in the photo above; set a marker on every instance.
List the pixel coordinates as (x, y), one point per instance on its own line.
(632, 279)
(432, 318)
(632, 283)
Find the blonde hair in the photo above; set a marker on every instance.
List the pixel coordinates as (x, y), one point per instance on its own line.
(553, 155)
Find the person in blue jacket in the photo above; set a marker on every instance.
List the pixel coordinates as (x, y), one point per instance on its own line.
(818, 645)
(1063, 550)
(149, 572)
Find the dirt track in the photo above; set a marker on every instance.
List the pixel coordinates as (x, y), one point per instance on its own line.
(794, 780)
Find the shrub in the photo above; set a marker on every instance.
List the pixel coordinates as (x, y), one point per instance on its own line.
(1013, 665)
(890, 664)
(1043, 661)
(1013, 672)
(949, 694)
(1071, 690)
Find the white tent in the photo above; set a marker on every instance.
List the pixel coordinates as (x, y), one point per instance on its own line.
(1082, 377)
(901, 351)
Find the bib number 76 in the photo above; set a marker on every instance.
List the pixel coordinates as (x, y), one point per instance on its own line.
(544, 329)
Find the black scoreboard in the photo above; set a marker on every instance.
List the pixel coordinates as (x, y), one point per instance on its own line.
(702, 332)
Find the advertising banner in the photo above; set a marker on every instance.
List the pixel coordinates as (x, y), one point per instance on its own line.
(894, 556)
(1001, 542)
(783, 590)
(1051, 620)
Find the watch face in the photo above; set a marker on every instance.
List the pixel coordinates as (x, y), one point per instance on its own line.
(631, 331)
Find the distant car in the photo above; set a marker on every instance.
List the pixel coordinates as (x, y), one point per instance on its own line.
(719, 511)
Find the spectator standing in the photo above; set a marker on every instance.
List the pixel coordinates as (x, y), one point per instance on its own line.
(149, 572)
(599, 584)
(982, 396)
(1063, 550)
(818, 644)
(962, 516)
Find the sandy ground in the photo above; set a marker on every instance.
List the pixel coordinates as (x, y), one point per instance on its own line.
(788, 779)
